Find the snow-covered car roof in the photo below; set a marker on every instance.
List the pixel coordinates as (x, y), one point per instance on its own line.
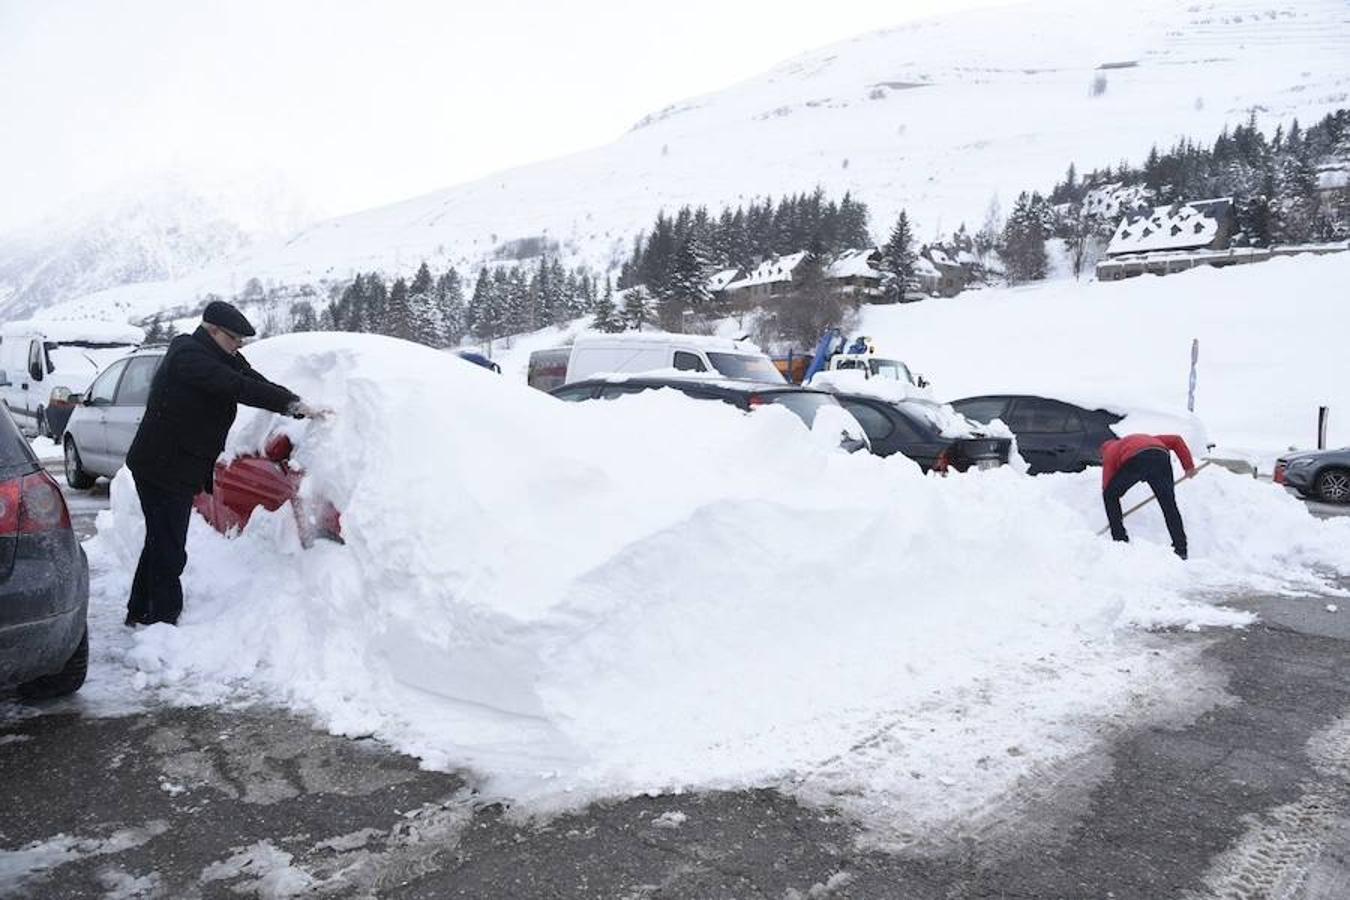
(93, 332)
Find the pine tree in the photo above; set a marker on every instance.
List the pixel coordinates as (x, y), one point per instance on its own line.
(155, 333)
(372, 304)
(449, 295)
(897, 261)
(606, 316)
(397, 320)
(1023, 246)
(560, 300)
(637, 307)
(303, 318)
(487, 308)
(689, 278)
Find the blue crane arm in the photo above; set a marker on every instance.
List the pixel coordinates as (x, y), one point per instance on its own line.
(831, 342)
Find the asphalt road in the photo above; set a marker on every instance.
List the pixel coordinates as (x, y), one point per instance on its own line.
(1252, 799)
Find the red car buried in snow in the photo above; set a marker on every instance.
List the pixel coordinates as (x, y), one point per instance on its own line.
(269, 481)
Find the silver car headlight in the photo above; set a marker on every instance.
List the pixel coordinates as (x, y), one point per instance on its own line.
(1301, 463)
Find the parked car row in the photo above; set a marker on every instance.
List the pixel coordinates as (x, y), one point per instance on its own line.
(44, 366)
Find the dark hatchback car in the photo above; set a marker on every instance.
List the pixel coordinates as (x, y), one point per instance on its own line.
(44, 578)
(923, 432)
(1323, 474)
(1052, 436)
(803, 402)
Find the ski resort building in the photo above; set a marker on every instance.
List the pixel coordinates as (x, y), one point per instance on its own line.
(851, 272)
(1171, 238)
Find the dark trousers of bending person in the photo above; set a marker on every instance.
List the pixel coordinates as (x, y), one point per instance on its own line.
(1154, 468)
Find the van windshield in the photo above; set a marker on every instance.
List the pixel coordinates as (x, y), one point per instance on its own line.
(891, 369)
(746, 367)
(75, 357)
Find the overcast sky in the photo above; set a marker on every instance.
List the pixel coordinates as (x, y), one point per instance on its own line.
(356, 102)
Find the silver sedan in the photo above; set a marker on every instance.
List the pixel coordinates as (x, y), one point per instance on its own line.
(105, 421)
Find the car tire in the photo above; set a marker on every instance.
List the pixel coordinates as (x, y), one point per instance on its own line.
(67, 681)
(76, 476)
(1333, 486)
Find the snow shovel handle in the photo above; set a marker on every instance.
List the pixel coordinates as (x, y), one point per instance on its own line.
(1151, 497)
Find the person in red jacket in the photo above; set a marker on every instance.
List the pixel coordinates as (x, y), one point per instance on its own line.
(1143, 457)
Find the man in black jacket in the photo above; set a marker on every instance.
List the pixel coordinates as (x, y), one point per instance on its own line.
(192, 403)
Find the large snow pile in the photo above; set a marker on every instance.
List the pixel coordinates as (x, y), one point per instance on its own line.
(1127, 345)
(584, 600)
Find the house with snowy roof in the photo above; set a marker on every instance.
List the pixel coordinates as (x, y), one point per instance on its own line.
(851, 272)
(718, 281)
(1170, 238)
(768, 278)
(857, 272)
(1182, 236)
(943, 275)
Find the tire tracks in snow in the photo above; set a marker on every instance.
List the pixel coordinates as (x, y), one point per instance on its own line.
(1274, 859)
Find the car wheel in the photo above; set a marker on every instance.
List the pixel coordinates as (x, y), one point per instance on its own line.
(67, 681)
(1333, 486)
(76, 476)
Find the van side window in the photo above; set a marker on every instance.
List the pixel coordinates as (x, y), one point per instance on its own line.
(689, 362)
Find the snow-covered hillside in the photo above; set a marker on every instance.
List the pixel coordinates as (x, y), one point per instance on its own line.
(155, 228)
(936, 117)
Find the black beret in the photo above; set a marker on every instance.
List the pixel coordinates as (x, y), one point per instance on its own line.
(220, 313)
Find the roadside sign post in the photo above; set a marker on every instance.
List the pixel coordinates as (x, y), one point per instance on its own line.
(1195, 359)
(1322, 413)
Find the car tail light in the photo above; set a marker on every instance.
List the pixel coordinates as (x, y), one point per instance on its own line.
(31, 505)
(758, 400)
(943, 462)
(1279, 473)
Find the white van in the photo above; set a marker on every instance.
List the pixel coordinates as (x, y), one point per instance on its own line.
(44, 363)
(654, 351)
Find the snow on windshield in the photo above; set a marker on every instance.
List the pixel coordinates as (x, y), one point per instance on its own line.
(76, 366)
(586, 600)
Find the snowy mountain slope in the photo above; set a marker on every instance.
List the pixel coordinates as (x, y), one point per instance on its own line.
(149, 229)
(936, 117)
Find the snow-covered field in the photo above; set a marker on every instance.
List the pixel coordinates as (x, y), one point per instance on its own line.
(575, 601)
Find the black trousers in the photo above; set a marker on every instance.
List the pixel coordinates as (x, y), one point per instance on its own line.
(1155, 468)
(156, 594)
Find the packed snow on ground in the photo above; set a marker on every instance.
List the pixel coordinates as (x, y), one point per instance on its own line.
(572, 601)
(46, 449)
(1126, 345)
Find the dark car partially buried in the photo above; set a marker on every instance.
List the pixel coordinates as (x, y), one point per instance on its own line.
(44, 578)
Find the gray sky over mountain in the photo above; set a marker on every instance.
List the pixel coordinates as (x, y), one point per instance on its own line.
(357, 103)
